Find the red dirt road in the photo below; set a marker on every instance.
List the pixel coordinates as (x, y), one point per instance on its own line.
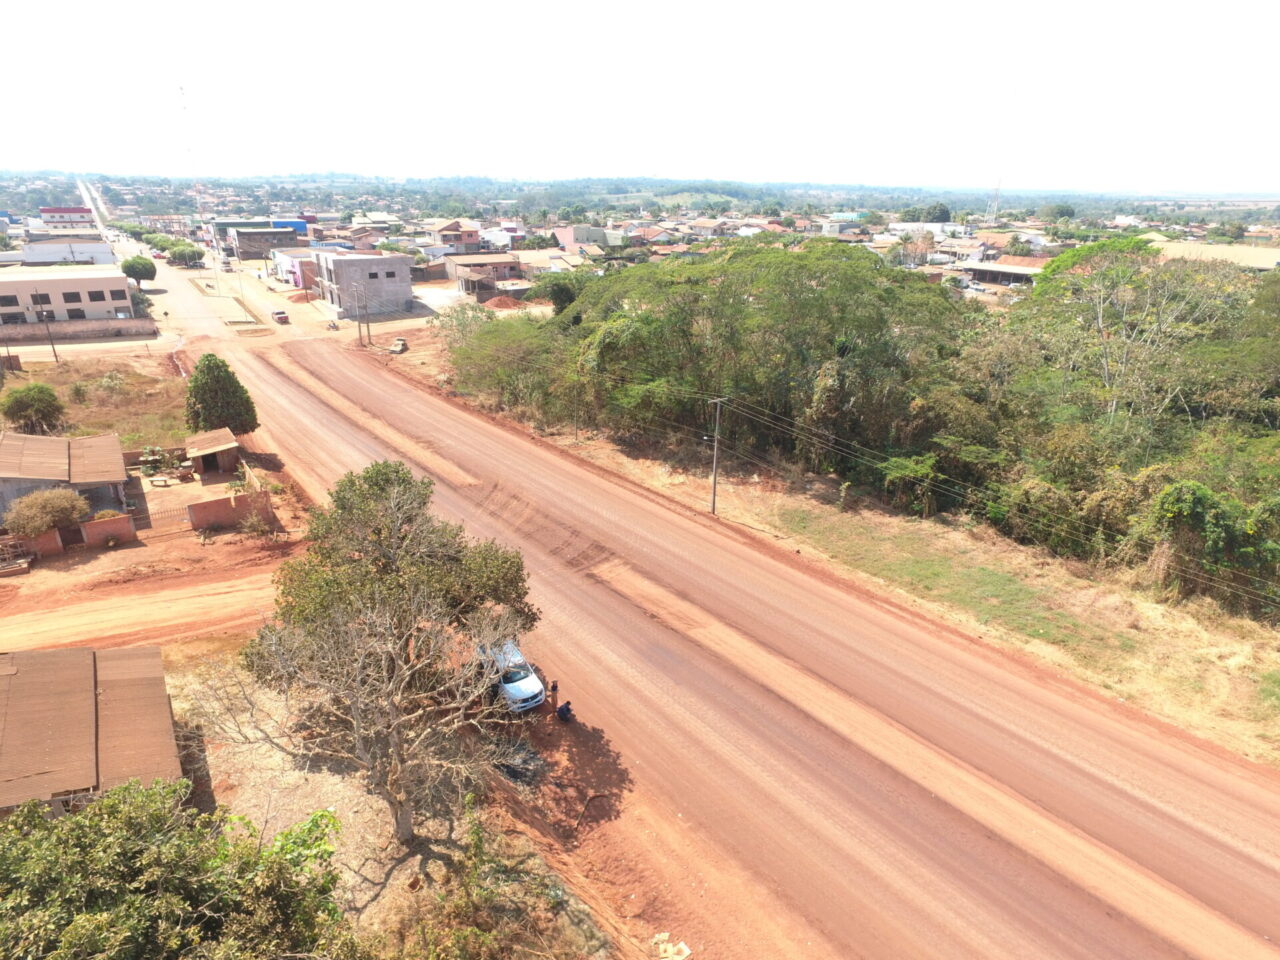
(830, 772)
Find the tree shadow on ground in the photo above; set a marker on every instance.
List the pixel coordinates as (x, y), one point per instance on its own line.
(585, 781)
(263, 461)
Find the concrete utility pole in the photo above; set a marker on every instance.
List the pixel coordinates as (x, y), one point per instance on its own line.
(715, 454)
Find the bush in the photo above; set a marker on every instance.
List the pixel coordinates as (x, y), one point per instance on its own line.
(43, 510)
(34, 409)
(79, 392)
(107, 514)
(139, 874)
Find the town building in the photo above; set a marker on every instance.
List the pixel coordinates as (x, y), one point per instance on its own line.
(91, 466)
(68, 216)
(1005, 270)
(71, 250)
(463, 236)
(256, 243)
(295, 265)
(82, 721)
(362, 284)
(56, 293)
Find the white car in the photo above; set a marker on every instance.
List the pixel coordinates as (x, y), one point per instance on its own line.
(517, 682)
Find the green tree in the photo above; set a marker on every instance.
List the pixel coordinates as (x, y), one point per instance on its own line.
(139, 875)
(186, 254)
(216, 398)
(139, 268)
(34, 409)
(1056, 211)
(378, 657)
(936, 213)
(43, 510)
(1017, 247)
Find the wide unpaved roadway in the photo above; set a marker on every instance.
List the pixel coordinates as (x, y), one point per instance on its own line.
(867, 783)
(899, 790)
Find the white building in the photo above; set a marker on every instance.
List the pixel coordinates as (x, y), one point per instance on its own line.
(54, 293)
(72, 250)
(67, 216)
(939, 230)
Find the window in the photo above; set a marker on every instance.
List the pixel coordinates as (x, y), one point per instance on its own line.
(119, 295)
(8, 301)
(97, 296)
(74, 314)
(390, 274)
(40, 299)
(72, 297)
(45, 315)
(12, 318)
(373, 276)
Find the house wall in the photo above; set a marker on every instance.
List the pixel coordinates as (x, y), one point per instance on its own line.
(48, 544)
(23, 285)
(229, 511)
(77, 330)
(97, 532)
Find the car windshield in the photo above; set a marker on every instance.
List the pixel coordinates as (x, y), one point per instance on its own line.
(516, 673)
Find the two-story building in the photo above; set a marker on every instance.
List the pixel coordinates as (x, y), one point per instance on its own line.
(362, 284)
(462, 235)
(67, 216)
(57, 293)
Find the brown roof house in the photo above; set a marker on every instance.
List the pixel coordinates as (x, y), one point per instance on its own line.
(74, 723)
(91, 466)
(213, 451)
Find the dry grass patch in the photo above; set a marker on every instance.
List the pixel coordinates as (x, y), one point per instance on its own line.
(142, 399)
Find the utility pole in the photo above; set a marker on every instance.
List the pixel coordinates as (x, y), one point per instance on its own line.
(715, 454)
(47, 328)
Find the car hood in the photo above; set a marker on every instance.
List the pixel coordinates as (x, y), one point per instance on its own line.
(527, 687)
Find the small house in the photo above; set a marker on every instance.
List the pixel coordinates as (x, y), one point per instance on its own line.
(214, 451)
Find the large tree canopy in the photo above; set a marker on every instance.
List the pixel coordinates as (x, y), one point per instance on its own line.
(137, 875)
(216, 398)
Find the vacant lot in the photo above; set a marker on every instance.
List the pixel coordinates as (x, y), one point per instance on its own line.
(140, 398)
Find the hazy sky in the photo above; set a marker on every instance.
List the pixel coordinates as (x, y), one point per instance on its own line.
(1086, 95)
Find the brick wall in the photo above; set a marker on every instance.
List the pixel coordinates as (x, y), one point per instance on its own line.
(97, 532)
(48, 544)
(79, 330)
(229, 511)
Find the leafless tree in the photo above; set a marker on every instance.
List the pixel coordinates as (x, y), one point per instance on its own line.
(408, 708)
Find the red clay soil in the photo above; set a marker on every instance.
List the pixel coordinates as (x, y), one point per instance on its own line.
(503, 303)
(928, 790)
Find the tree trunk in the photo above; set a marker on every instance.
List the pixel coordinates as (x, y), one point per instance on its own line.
(402, 813)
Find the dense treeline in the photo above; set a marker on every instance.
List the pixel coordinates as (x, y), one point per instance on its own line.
(1126, 412)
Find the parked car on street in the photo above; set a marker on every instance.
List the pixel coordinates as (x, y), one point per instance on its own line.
(398, 345)
(517, 682)
(279, 316)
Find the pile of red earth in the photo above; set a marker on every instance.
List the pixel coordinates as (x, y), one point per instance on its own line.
(299, 297)
(503, 303)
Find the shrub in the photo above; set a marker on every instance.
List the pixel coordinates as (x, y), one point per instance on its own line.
(107, 514)
(34, 408)
(42, 510)
(79, 392)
